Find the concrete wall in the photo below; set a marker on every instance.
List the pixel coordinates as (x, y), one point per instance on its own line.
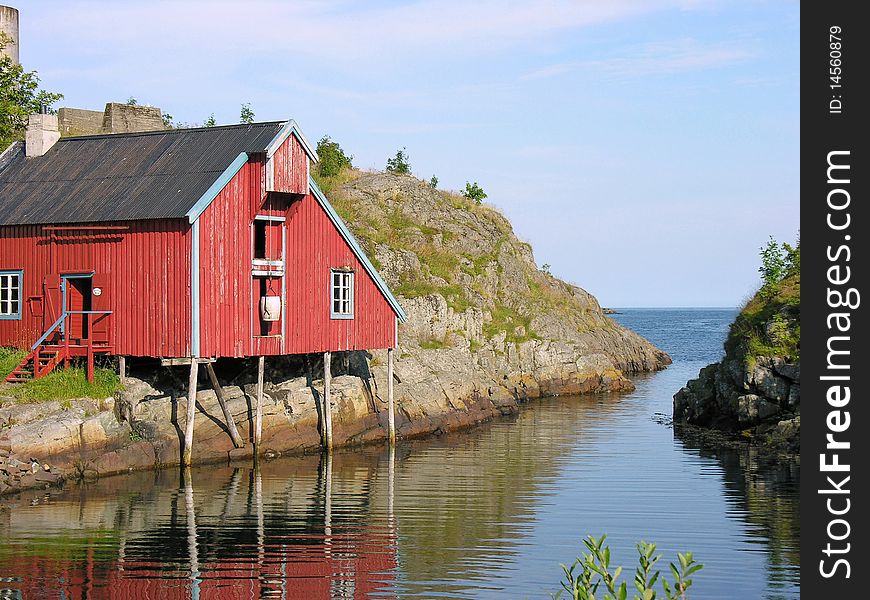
(124, 118)
(116, 118)
(9, 26)
(79, 121)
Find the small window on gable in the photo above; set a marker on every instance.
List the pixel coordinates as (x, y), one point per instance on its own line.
(10, 294)
(341, 286)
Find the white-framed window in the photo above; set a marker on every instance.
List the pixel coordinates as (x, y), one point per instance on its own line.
(341, 294)
(10, 294)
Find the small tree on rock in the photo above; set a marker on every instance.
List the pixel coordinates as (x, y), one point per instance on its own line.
(332, 157)
(474, 192)
(433, 183)
(210, 122)
(399, 163)
(773, 263)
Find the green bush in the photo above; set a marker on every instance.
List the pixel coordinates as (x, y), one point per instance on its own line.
(772, 267)
(332, 157)
(592, 571)
(474, 192)
(399, 163)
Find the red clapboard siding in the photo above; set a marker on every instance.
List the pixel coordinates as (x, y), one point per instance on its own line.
(314, 246)
(229, 322)
(146, 283)
(290, 164)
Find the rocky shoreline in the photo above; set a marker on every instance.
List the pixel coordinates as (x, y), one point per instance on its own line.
(142, 427)
(759, 399)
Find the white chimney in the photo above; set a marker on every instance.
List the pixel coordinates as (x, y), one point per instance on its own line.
(42, 133)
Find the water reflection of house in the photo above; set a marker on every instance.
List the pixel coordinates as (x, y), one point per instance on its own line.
(235, 534)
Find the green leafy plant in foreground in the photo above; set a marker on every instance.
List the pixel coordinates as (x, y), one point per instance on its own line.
(592, 572)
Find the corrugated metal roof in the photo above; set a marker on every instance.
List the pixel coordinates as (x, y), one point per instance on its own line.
(120, 177)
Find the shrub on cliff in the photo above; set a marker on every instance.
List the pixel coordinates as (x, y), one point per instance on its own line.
(332, 157)
(769, 324)
(399, 163)
(474, 192)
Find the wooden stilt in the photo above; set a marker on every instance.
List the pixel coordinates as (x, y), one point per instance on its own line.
(122, 368)
(238, 442)
(390, 402)
(258, 423)
(191, 413)
(327, 404)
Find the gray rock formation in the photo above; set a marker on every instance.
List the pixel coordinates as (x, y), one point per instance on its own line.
(761, 397)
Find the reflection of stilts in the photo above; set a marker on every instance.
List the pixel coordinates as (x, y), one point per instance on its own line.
(261, 526)
(232, 491)
(327, 503)
(192, 549)
(391, 487)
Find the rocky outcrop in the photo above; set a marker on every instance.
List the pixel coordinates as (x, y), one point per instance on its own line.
(755, 388)
(761, 398)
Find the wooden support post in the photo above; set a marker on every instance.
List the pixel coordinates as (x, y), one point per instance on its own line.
(390, 402)
(258, 423)
(327, 403)
(238, 442)
(90, 349)
(191, 413)
(122, 368)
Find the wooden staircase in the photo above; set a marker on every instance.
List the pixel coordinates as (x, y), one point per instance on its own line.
(54, 348)
(41, 361)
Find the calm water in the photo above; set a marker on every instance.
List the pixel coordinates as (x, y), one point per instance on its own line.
(484, 514)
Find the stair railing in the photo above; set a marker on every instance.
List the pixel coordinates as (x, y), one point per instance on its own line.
(63, 318)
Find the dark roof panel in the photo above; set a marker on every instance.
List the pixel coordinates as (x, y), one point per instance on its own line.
(119, 177)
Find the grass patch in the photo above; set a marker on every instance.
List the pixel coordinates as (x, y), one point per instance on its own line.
(769, 324)
(456, 298)
(327, 184)
(415, 289)
(66, 384)
(9, 359)
(441, 263)
(434, 344)
(506, 319)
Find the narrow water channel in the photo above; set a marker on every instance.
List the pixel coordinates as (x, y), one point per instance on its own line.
(488, 513)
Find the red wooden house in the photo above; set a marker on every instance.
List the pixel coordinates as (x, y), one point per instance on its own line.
(187, 243)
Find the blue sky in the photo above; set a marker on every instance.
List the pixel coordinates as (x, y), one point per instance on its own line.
(645, 149)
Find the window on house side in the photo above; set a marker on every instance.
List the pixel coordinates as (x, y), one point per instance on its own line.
(10, 294)
(342, 295)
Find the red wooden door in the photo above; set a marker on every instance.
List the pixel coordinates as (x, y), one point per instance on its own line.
(101, 301)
